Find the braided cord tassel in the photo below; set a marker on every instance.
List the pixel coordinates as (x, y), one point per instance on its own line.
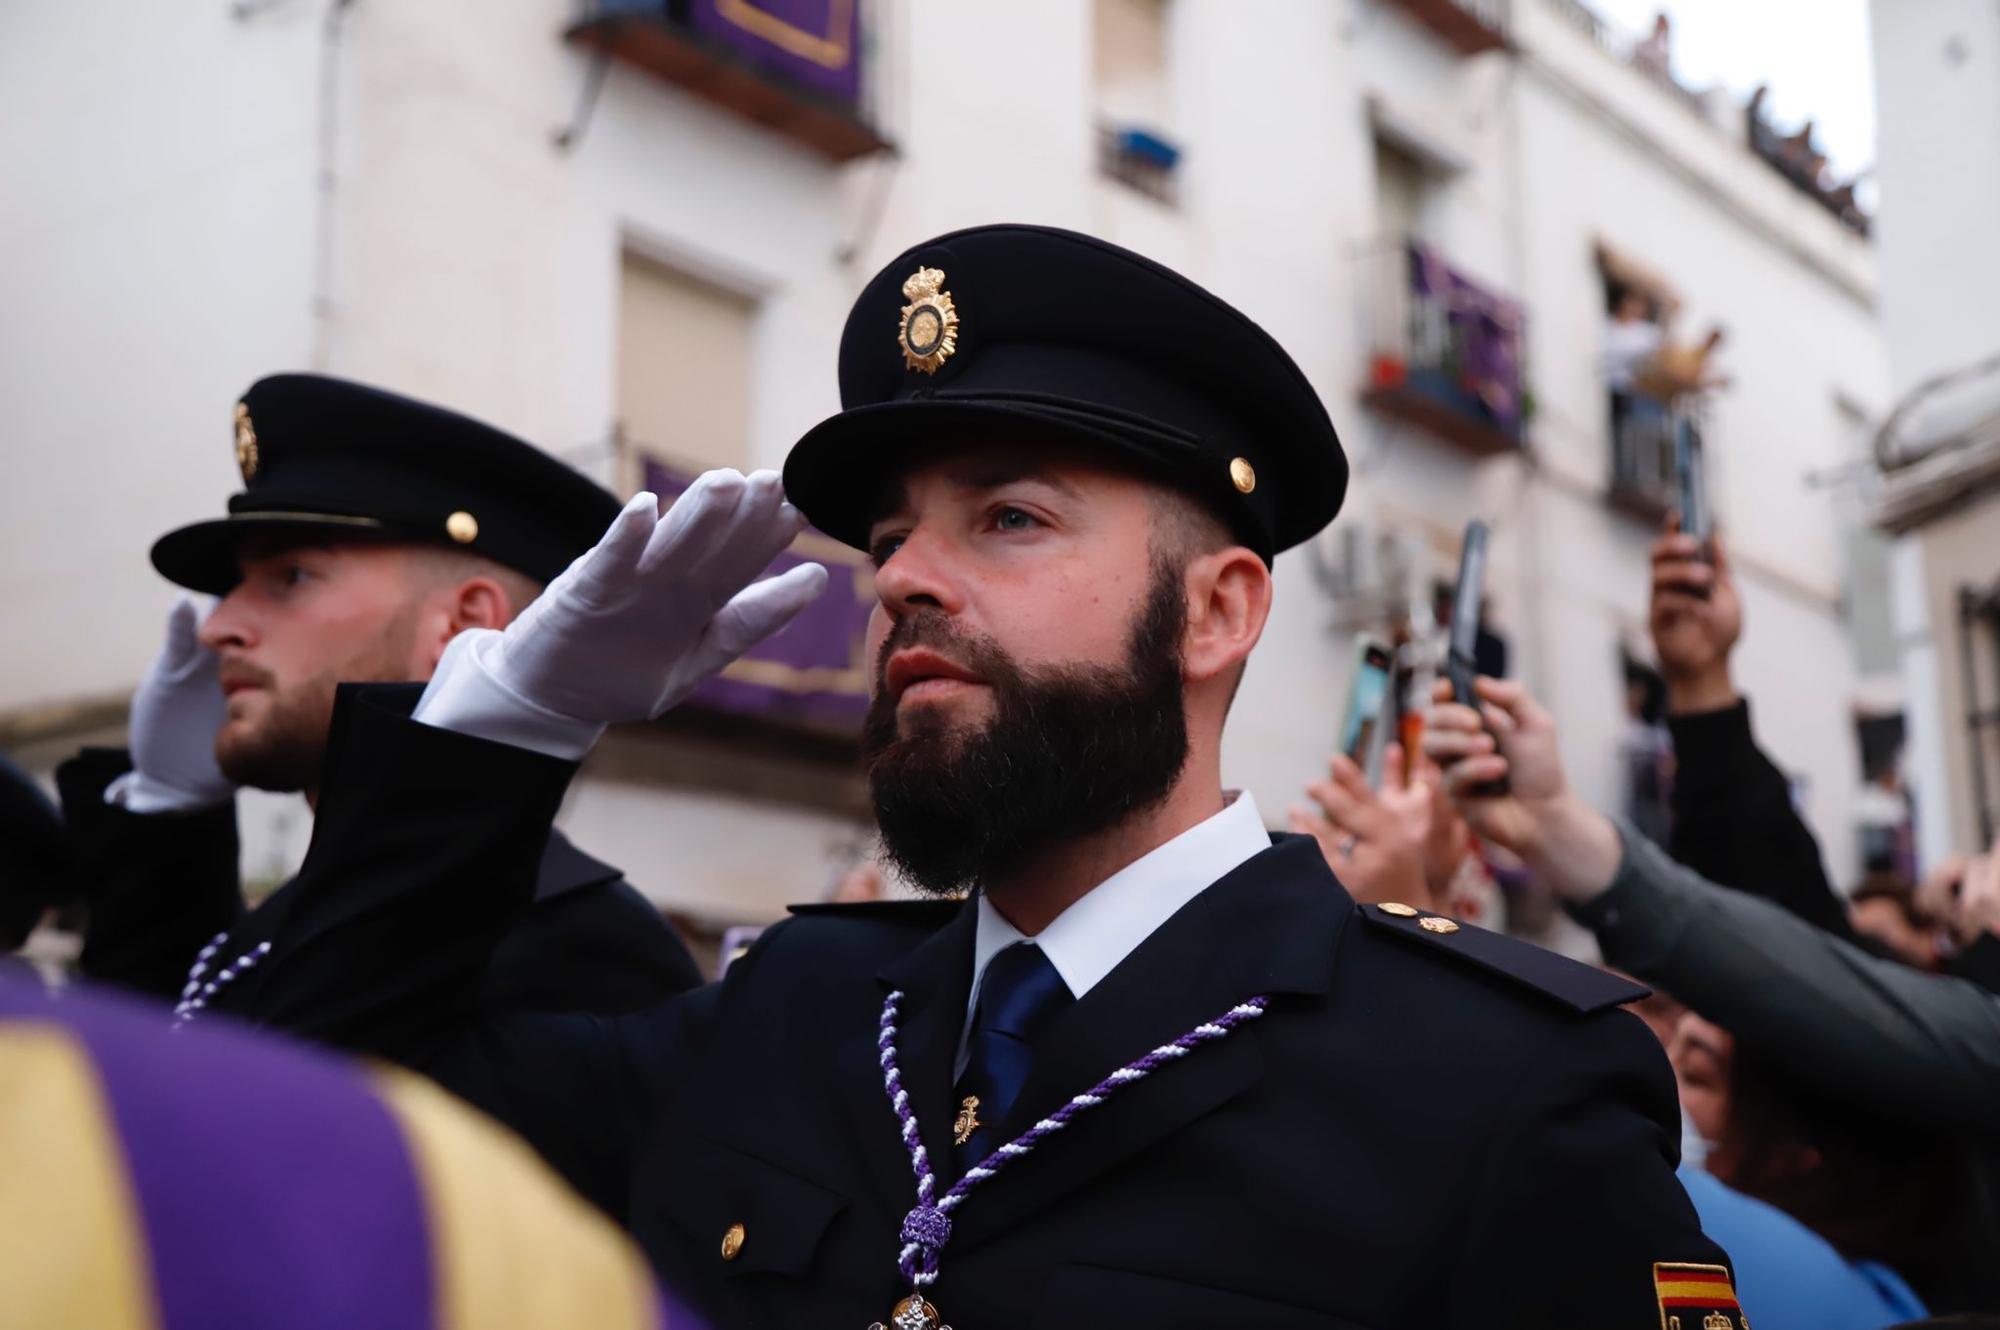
(918, 1258)
(1097, 1094)
(927, 1228)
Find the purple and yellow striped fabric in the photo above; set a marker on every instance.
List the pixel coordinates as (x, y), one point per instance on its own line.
(165, 1180)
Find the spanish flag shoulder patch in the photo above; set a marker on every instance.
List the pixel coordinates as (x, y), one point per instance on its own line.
(1696, 1297)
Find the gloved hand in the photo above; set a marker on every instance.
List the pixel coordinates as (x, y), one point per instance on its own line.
(659, 604)
(176, 713)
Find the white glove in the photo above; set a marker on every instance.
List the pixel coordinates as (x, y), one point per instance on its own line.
(657, 607)
(176, 713)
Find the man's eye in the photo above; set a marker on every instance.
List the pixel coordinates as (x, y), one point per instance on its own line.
(292, 575)
(884, 549)
(1015, 519)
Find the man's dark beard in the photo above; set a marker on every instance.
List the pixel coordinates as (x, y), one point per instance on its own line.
(288, 748)
(1069, 751)
(287, 752)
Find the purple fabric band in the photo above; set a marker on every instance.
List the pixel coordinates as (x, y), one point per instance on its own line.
(272, 1186)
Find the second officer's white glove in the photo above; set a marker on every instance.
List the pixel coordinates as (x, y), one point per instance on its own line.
(176, 713)
(656, 608)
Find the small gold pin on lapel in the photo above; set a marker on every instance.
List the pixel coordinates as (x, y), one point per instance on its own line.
(967, 1121)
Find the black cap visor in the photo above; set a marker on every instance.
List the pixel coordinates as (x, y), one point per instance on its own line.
(838, 473)
(202, 556)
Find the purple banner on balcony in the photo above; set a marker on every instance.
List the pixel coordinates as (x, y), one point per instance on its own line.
(814, 669)
(813, 43)
(1485, 335)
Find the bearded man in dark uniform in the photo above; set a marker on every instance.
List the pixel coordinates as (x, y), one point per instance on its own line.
(1157, 1068)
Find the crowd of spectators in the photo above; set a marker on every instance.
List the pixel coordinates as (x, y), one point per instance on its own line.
(1837, 1053)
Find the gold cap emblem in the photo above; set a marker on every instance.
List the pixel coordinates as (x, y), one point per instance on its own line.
(928, 332)
(1242, 475)
(462, 527)
(246, 443)
(1400, 910)
(1433, 924)
(732, 1241)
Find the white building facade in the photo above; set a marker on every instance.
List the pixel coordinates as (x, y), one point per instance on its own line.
(1937, 79)
(379, 191)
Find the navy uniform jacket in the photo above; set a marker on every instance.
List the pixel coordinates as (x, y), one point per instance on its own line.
(1425, 1130)
(161, 886)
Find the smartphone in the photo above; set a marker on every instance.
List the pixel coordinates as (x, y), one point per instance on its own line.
(1460, 655)
(1367, 702)
(1690, 473)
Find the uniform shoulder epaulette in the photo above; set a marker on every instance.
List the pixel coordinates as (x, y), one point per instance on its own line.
(925, 913)
(1581, 987)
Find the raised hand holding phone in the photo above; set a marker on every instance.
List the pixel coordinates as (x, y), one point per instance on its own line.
(1375, 840)
(1696, 618)
(1509, 741)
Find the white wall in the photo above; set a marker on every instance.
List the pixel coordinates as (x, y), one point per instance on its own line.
(156, 253)
(1937, 90)
(1937, 81)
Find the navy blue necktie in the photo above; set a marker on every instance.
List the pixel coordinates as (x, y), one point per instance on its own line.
(1019, 995)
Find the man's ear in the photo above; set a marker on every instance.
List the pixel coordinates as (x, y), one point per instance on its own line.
(481, 602)
(477, 602)
(1229, 598)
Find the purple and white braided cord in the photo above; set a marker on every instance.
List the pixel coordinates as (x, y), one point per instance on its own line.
(196, 995)
(927, 1228)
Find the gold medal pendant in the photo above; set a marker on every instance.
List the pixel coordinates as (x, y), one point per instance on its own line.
(912, 1313)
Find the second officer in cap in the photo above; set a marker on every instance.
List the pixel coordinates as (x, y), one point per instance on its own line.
(1157, 1068)
(371, 530)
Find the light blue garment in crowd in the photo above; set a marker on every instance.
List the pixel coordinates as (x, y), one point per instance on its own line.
(1789, 1277)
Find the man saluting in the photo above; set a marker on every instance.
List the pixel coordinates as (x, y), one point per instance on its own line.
(1158, 1068)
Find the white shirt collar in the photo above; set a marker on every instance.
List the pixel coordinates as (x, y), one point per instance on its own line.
(1089, 939)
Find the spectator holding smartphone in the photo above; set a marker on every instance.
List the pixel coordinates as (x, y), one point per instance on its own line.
(1403, 843)
(1733, 819)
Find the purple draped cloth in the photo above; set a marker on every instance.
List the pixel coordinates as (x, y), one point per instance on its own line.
(813, 43)
(1486, 333)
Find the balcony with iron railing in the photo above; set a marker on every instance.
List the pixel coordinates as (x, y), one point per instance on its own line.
(799, 69)
(1445, 353)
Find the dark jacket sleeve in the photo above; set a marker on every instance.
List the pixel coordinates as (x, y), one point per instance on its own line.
(1579, 1202)
(1734, 822)
(158, 886)
(1978, 963)
(423, 855)
(585, 1091)
(601, 948)
(1914, 1047)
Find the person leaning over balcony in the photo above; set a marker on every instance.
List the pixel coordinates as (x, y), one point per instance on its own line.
(372, 529)
(1159, 1069)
